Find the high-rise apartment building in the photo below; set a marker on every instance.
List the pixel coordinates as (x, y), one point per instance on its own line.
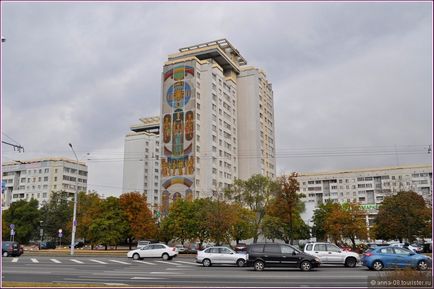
(217, 122)
(37, 179)
(141, 171)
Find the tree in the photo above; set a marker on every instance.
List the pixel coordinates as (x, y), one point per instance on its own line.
(25, 216)
(220, 219)
(57, 214)
(287, 206)
(319, 217)
(346, 221)
(243, 227)
(403, 216)
(255, 193)
(111, 226)
(88, 209)
(141, 223)
(181, 220)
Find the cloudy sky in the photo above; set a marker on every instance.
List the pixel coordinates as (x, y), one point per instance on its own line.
(352, 81)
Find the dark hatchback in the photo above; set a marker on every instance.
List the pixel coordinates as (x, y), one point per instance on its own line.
(261, 256)
(47, 245)
(10, 248)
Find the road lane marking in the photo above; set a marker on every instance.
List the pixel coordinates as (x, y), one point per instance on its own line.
(76, 261)
(120, 262)
(171, 273)
(189, 263)
(146, 278)
(166, 262)
(115, 284)
(14, 260)
(34, 260)
(55, 261)
(97, 261)
(144, 262)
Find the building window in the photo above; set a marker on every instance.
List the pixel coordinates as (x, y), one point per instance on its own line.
(198, 105)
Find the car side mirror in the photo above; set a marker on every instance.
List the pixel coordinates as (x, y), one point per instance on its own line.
(232, 252)
(293, 253)
(411, 253)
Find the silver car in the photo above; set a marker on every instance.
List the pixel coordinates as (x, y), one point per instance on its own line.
(220, 255)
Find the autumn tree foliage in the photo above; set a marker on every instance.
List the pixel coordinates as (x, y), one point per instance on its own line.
(287, 207)
(141, 223)
(403, 216)
(319, 217)
(346, 221)
(88, 209)
(243, 226)
(110, 227)
(254, 193)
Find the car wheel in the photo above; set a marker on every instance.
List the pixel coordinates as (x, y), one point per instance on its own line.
(259, 265)
(422, 265)
(305, 266)
(165, 256)
(350, 262)
(206, 262)
(136, 256)
(5, 254)
(377, 265)
(240, 262)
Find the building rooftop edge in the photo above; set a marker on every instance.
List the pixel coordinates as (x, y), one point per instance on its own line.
(304, 174)
(38, 160)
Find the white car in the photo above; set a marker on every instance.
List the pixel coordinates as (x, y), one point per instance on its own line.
(220, 255)
(331, 254)
(410, 247)
(180, 248)
(153, 251)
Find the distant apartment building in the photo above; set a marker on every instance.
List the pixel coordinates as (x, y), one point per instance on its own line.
(141, 172)
(217, 121)
(37, 179)
(367, 187)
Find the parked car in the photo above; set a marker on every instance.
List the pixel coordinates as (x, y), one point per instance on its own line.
(240, 247)
(265, 255)
(11, 248)
(47, 245)
(220, 255)
(153, 251)
(413, 247)
(394, 257)
(180, 248)
(78, 244)
(329, 253)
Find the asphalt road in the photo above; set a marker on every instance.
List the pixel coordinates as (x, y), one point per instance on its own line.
(181, 271)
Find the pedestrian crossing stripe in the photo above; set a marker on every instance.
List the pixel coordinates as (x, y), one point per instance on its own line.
(189, 263)
(97, 261)
(14, 260)
(144, 262)
(76, 261)
(34, 260)
(120, 262)
(56, 261)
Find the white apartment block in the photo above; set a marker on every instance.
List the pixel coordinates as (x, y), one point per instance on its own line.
(141, 172)
(37, 179)
(366, 186)
(217, 122)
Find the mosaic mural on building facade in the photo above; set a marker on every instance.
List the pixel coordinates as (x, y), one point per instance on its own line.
(177, 162)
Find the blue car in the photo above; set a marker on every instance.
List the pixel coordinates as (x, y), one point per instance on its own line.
(394, 257)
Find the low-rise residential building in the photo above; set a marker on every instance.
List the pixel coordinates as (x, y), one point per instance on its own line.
(37, 179)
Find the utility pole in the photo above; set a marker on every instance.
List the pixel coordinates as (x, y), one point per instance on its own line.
(74, 217)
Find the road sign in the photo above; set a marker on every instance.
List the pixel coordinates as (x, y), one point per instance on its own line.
(12, 226)
(60, 231)
(60, 235)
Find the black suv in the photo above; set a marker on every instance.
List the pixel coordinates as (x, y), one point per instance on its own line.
(10, 248)
(279, 255)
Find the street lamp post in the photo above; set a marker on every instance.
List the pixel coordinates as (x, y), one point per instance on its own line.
(74, 216)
